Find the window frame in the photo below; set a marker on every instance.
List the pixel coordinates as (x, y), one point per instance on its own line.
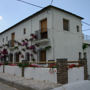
(66, 22)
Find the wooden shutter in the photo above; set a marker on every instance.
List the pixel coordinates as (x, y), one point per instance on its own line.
(44, 25)
(43, 55)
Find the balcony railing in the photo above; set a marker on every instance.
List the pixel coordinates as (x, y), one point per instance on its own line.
(41, 35)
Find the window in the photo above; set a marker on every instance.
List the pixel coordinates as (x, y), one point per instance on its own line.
(65, 24)
(3, 39)
(80, 55)
(43, 55)
(27, 56)
(77, 28)
(85, 55)
(24, 31)
(6, 38)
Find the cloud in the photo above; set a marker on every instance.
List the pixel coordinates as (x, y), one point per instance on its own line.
(1, 17)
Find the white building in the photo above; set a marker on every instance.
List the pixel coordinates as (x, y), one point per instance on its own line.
(50, 34)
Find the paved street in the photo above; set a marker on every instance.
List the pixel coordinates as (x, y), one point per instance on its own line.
(6, 87)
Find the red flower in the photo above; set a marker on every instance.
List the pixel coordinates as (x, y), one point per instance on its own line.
(72, 65)
(12, 64)
(34, 65)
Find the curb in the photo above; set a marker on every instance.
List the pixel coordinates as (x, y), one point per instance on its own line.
(15, 85)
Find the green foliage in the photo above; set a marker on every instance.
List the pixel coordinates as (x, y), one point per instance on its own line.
(84, 46)
(5, 63)
(23, 64)
(47, 48)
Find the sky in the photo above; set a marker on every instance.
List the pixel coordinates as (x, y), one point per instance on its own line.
(13, 11)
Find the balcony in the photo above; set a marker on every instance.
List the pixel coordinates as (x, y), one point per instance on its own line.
(41, 36)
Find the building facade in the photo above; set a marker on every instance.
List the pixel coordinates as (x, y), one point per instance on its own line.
(49, 34)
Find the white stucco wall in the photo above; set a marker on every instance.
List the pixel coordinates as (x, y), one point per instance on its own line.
(65, 44)
(75, 74)
(13, 70)
(88, 59)
(41, 74)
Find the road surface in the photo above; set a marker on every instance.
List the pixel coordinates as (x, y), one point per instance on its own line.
(6, 87)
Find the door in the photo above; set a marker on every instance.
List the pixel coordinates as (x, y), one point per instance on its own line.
(16, 57)
(13, 38)
(43, 28)
(43, 56)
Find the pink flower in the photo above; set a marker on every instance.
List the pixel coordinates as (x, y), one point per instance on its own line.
(32, 47)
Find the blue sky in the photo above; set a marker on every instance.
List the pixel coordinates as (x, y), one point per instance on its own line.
(13, 11)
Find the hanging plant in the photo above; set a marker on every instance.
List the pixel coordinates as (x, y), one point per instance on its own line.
(31, 55)
(37, 45)
(34, 51)
(25, 43)
(19, 44)
(26, 39)
(31, 39)
(16, 47)
(27, 47)
(23, 49)
(22, 56)
(19, 53)
(0, 46)
(47, 48)
(32, 47)
(4, 52)
(31, 34)
(6, 45)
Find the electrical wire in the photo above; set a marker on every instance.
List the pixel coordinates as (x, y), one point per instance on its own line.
(51, 2)
(86, 30)
(86, 23)
(30, 3)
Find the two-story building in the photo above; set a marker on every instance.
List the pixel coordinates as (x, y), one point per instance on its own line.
(49, 34)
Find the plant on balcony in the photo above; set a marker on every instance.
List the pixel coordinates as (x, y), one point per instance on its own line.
(22, 56)
(26, 39)
(6, 45)
(47, 47)
(25, 43)
(32, 47)
(4, 52)
(33, 36)
(37, 45)
(19, 52)
(19, 44)
(34, 51)
(31, 39)
(16, 47)
(23, 49)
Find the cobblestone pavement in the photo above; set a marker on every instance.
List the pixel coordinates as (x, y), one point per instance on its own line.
(6, 87)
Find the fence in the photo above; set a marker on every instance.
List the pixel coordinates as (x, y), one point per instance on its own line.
(63, 72)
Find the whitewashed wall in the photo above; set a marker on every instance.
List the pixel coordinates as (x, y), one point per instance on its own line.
(65, 44)
(1, 68)
(88, 59)
(75, 74)
(13, 70)
(41, 74)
